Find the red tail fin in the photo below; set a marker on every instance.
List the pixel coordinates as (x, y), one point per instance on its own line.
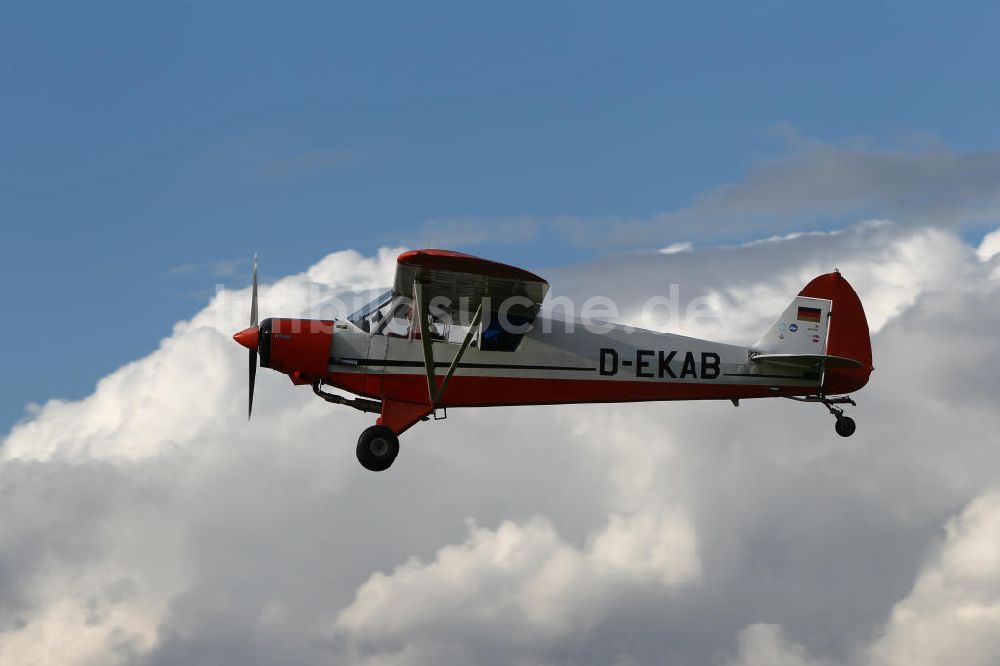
(848, 335)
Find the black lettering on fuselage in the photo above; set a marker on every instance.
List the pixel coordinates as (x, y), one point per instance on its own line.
(640, 364)
(609, 362)
(664, 364)
(688, 369)
(709, 365)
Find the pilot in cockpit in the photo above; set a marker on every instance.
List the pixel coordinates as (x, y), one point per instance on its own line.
(403, 326)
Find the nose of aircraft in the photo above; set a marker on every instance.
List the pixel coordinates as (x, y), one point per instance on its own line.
(248, 337)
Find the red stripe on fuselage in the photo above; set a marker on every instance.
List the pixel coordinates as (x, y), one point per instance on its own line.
(473, 391)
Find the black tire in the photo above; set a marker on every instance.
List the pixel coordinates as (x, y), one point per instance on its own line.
(377, 448)
(845, 426)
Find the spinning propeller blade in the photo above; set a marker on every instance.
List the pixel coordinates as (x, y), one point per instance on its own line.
(253, 350)
(250, 337)
(253, 296)
(253, 378)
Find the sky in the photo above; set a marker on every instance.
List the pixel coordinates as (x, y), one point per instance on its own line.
(149, 150)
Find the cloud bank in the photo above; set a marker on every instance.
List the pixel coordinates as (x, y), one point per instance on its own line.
(151, 524)
(812, 184)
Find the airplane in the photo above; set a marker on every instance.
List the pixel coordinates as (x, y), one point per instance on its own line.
(457, 330)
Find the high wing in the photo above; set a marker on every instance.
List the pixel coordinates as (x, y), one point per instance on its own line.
(462, 284)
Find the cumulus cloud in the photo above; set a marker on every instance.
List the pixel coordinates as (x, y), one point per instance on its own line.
(989, 247)
(522, 584)
(734, 293)
(151, 524)
(184, 389)
(766, 645)
(952, 615)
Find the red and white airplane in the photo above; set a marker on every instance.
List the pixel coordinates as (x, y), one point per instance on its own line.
(479, 341)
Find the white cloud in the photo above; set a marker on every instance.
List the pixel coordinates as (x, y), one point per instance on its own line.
(151, 524)
(185, 390)
(674, 248)
(989, 247)
(746, 287)
(522, 583)
(766, 645)
(952, 615)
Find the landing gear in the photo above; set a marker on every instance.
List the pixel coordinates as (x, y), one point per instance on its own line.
(845, 425)
(378, 446)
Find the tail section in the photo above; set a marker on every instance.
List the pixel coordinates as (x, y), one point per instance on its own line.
(826, 319)
(801, 328)
(848, 336)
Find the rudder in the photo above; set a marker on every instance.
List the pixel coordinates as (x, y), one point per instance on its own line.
(848, 334)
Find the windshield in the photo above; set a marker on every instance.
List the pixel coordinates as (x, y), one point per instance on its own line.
(400, 322)
(368, 317)
(392, 316)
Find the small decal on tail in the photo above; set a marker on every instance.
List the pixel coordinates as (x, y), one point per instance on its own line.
(809, 314)
(805, 316)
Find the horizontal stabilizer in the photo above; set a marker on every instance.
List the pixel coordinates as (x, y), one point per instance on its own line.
(807, 361)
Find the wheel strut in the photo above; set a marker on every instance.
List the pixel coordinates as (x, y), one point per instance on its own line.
(845, 425)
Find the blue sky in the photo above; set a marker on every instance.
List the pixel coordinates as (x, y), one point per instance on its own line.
(143, 144)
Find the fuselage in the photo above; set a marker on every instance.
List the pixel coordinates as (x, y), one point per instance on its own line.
(558, 362)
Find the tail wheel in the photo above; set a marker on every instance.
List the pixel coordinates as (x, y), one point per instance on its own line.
(378, 446)
(845, 426)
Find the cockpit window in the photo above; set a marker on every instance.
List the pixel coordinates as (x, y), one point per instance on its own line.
(402, 323)
(371, 315)
(495, 337)
(393, 316)
(398, 325)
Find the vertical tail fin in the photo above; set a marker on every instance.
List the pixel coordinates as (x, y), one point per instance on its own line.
(826, 318)
(801, 328)
(848, 335)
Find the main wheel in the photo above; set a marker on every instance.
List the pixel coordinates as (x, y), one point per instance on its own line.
(845, 426)
(377, 448)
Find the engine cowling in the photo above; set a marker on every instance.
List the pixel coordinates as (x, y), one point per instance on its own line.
(300, 348)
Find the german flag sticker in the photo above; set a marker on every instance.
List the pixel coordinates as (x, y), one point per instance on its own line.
(809, 314)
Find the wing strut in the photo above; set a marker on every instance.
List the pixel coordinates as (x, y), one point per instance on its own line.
(461, 351)
(422, 311)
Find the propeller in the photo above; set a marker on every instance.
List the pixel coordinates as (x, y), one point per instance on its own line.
(250, 337)
(253, 351)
